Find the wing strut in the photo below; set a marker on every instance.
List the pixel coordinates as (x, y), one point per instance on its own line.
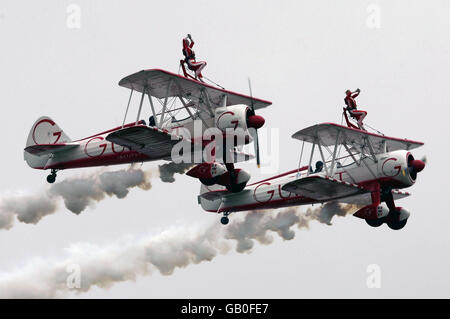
(334, 153)
(371, 149)
(165, 103)
(300, 160)
(128, 106)
(186, 107)
(208, 103)
(140, 106)
(323, 158)
(311, 157)
(153, 108)
(350, 153)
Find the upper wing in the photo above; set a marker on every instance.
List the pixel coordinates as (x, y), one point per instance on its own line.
(322, 188)
(162, 83)
(328, 133)
(151, 141)
(44, 149)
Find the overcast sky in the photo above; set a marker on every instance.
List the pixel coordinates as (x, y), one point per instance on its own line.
(302, 56)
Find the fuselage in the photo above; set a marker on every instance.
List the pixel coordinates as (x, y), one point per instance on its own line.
(95, 150)
(389, 170)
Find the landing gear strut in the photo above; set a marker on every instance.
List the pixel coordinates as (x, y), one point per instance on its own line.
(52, 177)
(225, 220)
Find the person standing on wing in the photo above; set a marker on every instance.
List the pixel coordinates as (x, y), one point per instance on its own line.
(349, 100)
(189, 58)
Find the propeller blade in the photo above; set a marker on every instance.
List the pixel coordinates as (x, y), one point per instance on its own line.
(256, 122)
(254, 134)
(251, 95)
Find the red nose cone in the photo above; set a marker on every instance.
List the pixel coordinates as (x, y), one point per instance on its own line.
(418, 165)
(255, 121)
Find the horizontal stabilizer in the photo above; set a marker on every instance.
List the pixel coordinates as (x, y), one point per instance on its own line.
(322, 188)
(45, 149)
(213, 195)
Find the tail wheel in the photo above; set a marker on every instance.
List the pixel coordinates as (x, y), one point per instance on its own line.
(51, 178)
(224, 220)
(396, 224)
(375, 222)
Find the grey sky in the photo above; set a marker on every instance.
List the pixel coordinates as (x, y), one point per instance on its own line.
(302, 56)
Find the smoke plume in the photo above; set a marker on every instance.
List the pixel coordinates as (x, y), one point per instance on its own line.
(168, 170)
(80, 192)
(86, 265)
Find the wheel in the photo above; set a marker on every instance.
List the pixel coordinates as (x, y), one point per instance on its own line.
(224, 220)
(396, 225)
(375, 222)
(236, 188)
(51, 178)
(208, 181)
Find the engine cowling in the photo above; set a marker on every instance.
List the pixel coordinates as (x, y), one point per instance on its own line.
(237, 116)
(231, 117)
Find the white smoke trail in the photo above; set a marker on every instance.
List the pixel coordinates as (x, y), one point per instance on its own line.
(78, 193)
(174, 248)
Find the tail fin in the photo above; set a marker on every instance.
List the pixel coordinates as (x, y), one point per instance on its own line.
(211, 204)
(46, 131)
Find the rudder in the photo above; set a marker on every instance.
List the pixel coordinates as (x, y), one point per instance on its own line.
(46, 131)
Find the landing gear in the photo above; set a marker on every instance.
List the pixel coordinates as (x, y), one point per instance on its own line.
(396, 224)
(225, 220)
(208, 181)
(375, 222)
(52, 177)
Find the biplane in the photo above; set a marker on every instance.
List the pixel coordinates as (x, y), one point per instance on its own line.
(354, 166)
(177, 104)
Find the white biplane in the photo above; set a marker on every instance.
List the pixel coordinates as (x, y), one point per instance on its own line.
(371, 173)
(169, 95)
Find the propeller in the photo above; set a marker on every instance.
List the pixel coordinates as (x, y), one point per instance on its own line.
(254, 121)
(416, 166)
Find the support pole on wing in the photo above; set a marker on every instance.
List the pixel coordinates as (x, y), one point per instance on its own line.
(128, 106)
(323, 158)
(372, 153)
(350, 153)
(384, 146)
(161, 122)
(311, 157)
(208, 102)
(224, 101)
(300, 160)
(152, 106)
(140, 106)
(186, 107)
(334, 153)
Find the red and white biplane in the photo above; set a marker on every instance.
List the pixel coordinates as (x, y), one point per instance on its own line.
(169, 95)
(370, 173)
